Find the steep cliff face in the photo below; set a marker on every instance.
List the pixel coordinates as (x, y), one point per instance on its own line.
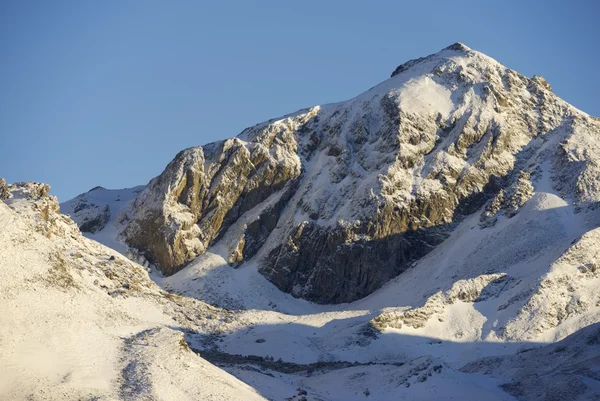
(335, 200)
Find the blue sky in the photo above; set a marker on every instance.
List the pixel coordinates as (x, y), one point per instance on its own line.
(107, 92)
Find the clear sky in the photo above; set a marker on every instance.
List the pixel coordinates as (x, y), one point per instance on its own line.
(107, 92)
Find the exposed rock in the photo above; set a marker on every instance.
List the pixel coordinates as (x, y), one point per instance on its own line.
(95, 218)
(256, 230)
(472, 290)
(334, 266)
(4, 191)
(43, 208)
(206, 189)
(508, 201)
(458, 47)
(542, 82)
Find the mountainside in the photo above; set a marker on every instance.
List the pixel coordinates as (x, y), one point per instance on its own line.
(79, 321)
(436, 237)
(567, 370)
(100, 213)
(333, 201)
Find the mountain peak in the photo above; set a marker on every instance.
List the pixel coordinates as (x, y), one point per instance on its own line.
(458, 46)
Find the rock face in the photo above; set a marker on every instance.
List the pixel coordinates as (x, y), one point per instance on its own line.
(508, 201)
(204, 190)
(4, 191)
(335, 200)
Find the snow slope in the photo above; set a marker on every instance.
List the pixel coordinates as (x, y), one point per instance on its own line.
(79, 321)
(88, 205)
(567, 370)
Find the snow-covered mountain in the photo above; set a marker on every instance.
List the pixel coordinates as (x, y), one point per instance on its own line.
(334, 201)
(436, 237)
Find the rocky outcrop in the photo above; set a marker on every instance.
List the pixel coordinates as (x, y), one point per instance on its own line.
(336, 265)
(472, 290)
(4, 191)
(508, 202)
(33, 199)
(206, 189)
(89, 216)
(335, 200)
(95, 219)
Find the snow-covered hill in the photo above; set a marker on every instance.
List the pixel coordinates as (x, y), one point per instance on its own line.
(79, 321)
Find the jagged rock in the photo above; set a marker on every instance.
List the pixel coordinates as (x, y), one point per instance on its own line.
(542, 82)
(95, 220)
(335, 200)
(42, 206)
(335, 266)
(472, 290)
(508, 201)
(518, 194)
(4, 192)
(205, 189)
(458, 47)
(256, 231)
